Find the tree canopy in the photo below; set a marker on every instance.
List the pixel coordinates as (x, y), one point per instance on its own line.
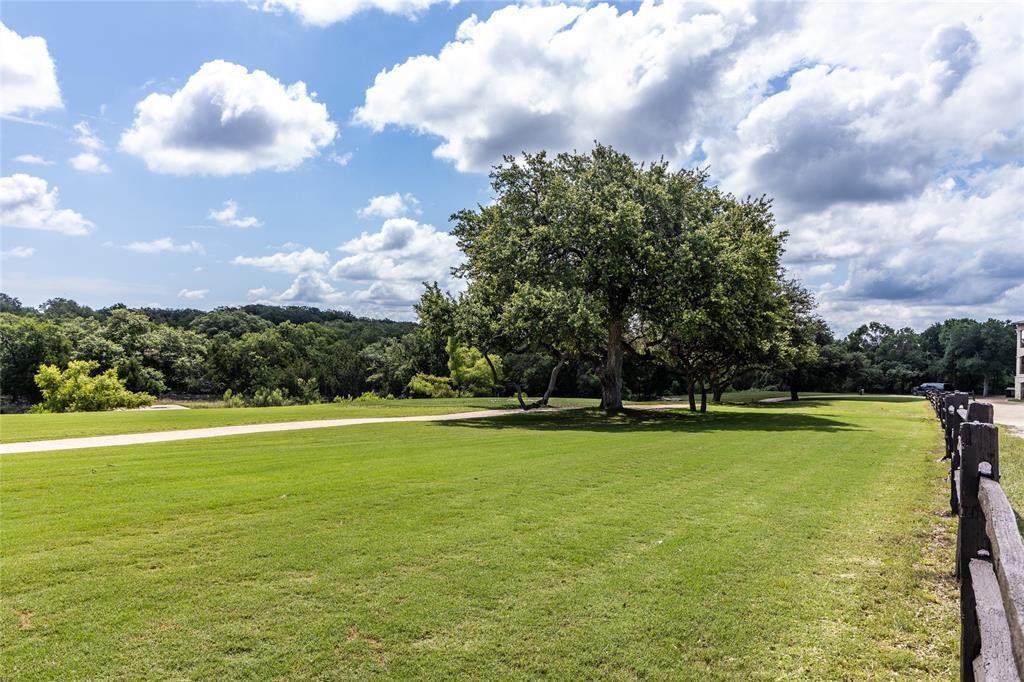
(593, 257)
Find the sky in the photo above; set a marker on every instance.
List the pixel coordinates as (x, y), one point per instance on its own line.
(310, 152)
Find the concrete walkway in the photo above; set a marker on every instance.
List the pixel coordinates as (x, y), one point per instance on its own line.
(1008, 414)
(217, 431)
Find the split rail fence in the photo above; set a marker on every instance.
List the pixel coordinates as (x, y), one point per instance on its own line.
(989, 550)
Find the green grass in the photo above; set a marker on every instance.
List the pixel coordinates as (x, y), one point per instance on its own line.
(16, 428)
(1011, 469)
(783, 541)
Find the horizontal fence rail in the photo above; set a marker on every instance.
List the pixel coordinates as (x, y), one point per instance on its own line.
(989, 550)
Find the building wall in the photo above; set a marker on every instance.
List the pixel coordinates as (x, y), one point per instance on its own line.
(1018, 383)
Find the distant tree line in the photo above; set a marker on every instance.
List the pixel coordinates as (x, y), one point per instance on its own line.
(973, 356)
(303, 354)
(300, 352)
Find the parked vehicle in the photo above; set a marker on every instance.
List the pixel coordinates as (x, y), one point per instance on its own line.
(928, 387)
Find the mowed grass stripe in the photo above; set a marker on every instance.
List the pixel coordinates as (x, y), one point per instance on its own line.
(753, 542)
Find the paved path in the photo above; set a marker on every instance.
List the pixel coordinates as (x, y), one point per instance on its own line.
(1010, 414)
(217, 431)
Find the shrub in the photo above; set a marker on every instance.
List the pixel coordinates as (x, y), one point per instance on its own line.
(76, 390)
(368, 397)
(430, 386)
(232, 400)
(266, 397)
(309, 391)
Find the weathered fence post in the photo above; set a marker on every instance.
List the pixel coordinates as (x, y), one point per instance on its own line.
(952, 403)
(981, 412)
(979, 444)
(976, 412)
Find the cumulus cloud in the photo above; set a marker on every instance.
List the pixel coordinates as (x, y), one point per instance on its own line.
(228, 215)
(227, 120)
(28, 76)
(33, 160)
(326, 12)
(27, 202)
(193, 294)
(381, 273)
(955, 248)
(856, 139)
(530, 78)
(396, 260)
(165, 245)
(293, 262)
(87, 162)
(390, 206)
(18, 252)
(310, 287)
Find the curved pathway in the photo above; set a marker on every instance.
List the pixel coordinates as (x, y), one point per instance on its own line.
(217, 431)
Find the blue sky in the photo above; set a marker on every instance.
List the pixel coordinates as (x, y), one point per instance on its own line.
(889, 136)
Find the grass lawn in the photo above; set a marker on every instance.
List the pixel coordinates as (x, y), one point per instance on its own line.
(1011, 470)
(788, 540)
(16, 428)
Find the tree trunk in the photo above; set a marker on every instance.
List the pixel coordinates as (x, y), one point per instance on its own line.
(716, 394)
(793, 395)
(518, 388)
(703, 397)
(551, 383)
(611, 374)
(691, 396)
(984, 387)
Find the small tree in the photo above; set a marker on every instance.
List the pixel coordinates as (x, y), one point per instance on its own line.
(76, 390)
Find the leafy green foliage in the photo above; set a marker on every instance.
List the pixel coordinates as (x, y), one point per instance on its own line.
(76, 390)
(430, 386)
(25, 344)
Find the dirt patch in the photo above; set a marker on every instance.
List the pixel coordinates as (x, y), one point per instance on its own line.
(24, 620)
(354, 634)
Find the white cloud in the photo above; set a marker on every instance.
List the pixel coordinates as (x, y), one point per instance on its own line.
(326, 12)
(309, 287)
(531, 78)
(384, 270)
(340, 159)
(227, 120)
(228, 215)
(396, 260)
(28, 76)
(86, 138)
(390, 206)
(165, 245)
(953, 250)
(27, 202)
(292, 262)
(33, 159)
(193, 294)
(855, 139)
(87, 162)
(17, 252)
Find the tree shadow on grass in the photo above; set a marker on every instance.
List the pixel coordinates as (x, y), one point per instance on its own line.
(650, 421)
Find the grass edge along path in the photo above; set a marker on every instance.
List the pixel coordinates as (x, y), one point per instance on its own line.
(22, 428)
(792, 541)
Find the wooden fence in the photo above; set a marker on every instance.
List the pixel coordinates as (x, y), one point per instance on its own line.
(989, 551)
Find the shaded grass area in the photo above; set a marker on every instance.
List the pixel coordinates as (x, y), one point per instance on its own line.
(794, 541)
(16, 428)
